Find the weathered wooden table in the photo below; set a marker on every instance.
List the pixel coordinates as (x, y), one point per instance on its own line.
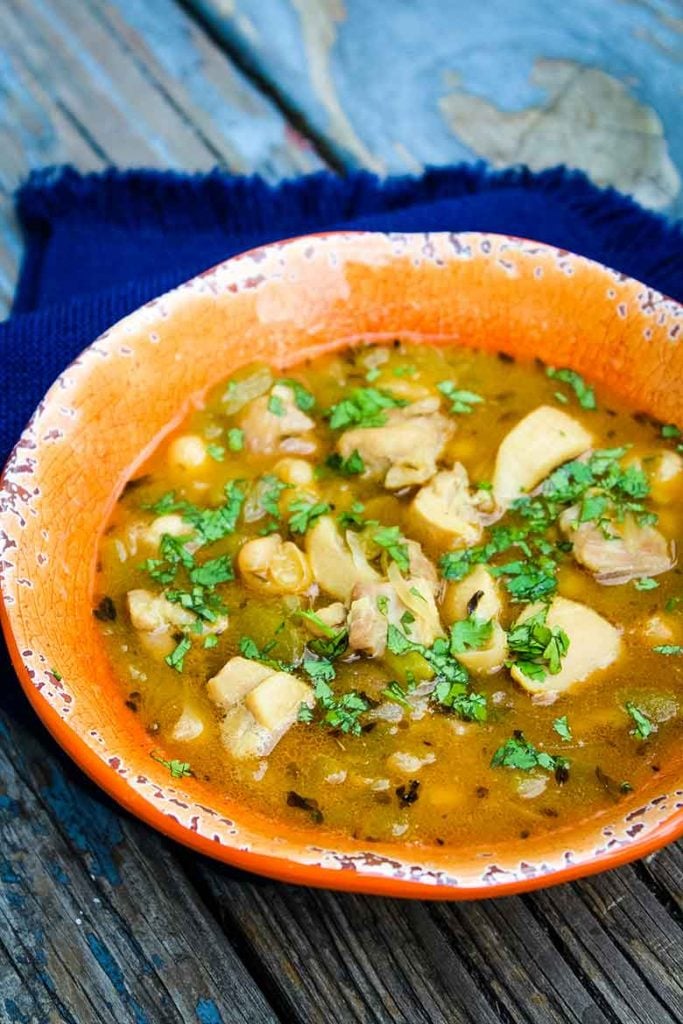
(102, 920)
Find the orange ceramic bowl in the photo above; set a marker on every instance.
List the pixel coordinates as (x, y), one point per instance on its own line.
(279, 304)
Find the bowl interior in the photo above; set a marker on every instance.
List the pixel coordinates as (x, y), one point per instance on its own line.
(281, 304)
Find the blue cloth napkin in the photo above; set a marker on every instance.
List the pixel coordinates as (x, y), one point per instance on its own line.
(99, 245)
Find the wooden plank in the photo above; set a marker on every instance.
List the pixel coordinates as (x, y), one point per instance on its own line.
(129, 82)
(594, 84)
(98, 921)
(349, 958)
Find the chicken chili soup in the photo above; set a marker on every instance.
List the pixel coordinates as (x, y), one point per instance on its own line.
(405, 592)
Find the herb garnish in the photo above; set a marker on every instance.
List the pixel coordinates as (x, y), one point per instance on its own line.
(562, 728)
(539, 648)
(668, 649)
(216, 452)
(341, 711)
(302, 396)
(177, 656)
(304, 511)
(646, 583)
(394, 543)
(351, 466)
(470, 634)
(365, 407)
(276, 405)
(235, 439)
(462, 402)
(517, 752)
(670, 430)
(643, 726)
(212, 572)
(178, 769)
(584, 392)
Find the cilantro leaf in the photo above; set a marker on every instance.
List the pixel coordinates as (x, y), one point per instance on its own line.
(177, 656)
(205, 605)
(276, 405)
(643, 726)
(216, 452)
(668, 649)
(462, 402)
(470, 634)
(352, 516)
(212, 572)
(394, 543)
(235, 439)
(304, 512)
(562, 728)
(210, 640)
(364, 407)
(670, 430)
(646, 583)
(351, 466)
(339, 711)
(584, 392)
(320, 669)
(519, 753)
(302, 396)
(539, 648)
(178, 769)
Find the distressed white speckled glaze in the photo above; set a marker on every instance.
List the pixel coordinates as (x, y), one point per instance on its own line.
(282, 303)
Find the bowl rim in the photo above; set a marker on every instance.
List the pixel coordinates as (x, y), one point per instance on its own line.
(272, 865)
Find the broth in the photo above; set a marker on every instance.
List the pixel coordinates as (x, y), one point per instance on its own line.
(393, 709)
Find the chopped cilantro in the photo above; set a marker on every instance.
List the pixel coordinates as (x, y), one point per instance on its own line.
(560, 397)
(212, 572)
(174, 554)
(668, 649)
(58, 675)
(643, 726)
(562, 728)
(518, 753)
(365, 407)
(177, 656)
(451, 679)
(394, 543)
(265, 498)
(302, 396)
(670, 430)
(469, 706)
(351, 466)
(340, 711)
(352, 516)
(405, 371)
(214, 523)
(319, 669)
(584, 392)
(178, 769)
(673, 604)
(462, 402)
(372, 374)
(235, 439)
(646, 583)
(311, 616)
(250, 649)
(304, 512)
(407, 619)
(539, 648)
(210, 640)
(276, 405)
(394, 692)
(470, 634)
(382, 604)
(205, 605)
(216, 451)
(531, 580)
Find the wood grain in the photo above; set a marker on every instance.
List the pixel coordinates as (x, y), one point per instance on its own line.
(98, 922)
(129, 82)
(393, 88)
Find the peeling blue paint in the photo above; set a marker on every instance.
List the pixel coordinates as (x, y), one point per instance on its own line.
(90, 825)
(115, 975)
(207, 1012)
(7, 803)
(8, 875)
(16, 1016)
(58, 874)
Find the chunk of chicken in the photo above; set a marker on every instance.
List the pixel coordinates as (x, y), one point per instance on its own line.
(189, 726)
(404, 451)
(269, 420)
(594, 644)
(149, 612)
(539, 443)
(627, 553)
(376, 606)
(478, 594)
(443, 512)
(235, 680)
(335, 566)
(275, 702)
(274, 566)
(261, 705)
(373, 608)
(665, 473)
